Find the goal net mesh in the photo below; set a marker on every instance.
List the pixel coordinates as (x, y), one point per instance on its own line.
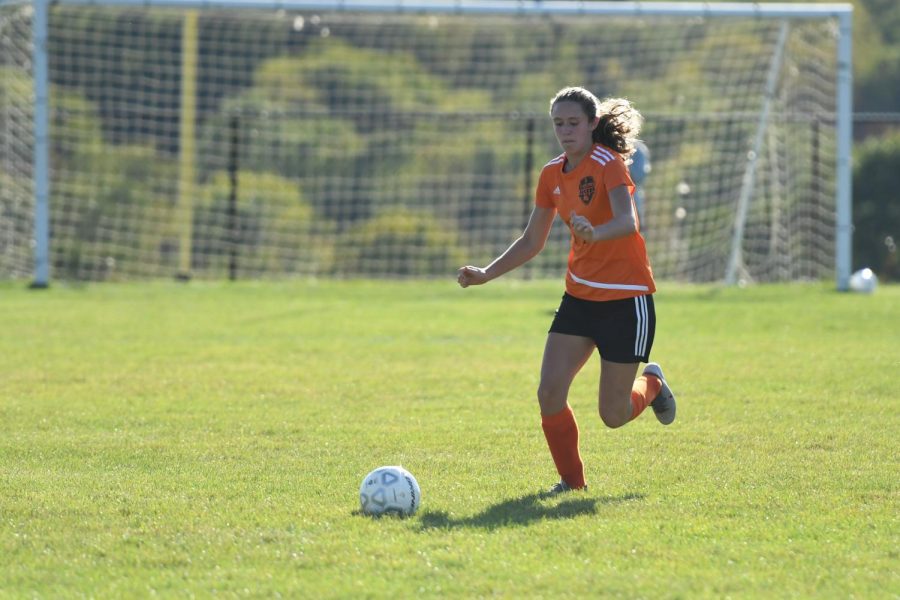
(344, 144)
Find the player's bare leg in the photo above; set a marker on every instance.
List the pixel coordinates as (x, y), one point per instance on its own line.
(616, 383)
(564, 355)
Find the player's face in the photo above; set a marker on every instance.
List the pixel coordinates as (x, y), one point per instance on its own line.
(572, 127)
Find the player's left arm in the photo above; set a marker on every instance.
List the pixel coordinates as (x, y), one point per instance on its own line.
(623, 222)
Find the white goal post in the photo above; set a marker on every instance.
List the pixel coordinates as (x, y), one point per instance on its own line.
(256, 138)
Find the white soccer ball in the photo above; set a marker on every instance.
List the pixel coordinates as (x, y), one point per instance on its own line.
(389, 490)
(864, 281)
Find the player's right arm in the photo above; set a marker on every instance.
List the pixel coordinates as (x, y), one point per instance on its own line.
(526, 247)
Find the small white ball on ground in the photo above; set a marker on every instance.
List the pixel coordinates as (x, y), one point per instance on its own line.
(389, 490)
(864, 281)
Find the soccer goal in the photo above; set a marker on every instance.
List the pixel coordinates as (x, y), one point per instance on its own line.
(358, 138)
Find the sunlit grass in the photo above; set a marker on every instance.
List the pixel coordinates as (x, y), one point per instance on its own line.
(210, 439)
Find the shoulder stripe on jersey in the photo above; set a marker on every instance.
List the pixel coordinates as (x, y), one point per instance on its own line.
(602, 155)
(556, 160)
(600, 159)
(598, 151)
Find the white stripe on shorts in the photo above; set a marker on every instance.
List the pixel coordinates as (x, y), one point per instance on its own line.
(640, 334)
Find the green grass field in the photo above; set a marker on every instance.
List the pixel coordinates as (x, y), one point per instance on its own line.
(210, 439)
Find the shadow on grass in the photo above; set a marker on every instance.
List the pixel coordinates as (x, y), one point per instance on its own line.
(527, 509)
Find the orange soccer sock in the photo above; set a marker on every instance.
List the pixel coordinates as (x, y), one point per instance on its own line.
(644, 391)
(561, 431)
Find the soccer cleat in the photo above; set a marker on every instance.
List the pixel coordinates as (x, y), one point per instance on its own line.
(561, 488)
(664, 403)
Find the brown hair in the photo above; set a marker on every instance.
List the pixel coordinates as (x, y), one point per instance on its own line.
(620, 123)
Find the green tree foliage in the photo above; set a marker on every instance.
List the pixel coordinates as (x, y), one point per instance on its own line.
(876, 54)
(16, 189)
(399, 241)
(135, 48)
(876, 209)
(121, 214)
(16, 114)
(272, 229)
(319, 116)
(16, 202)
(880, 92)
(113, 203)
(887, 18)
(335, 131)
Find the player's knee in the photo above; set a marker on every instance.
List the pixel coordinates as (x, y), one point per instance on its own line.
(545, 393)
(550, 397)
(612, 419)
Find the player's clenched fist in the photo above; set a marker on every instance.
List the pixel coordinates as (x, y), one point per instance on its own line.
(581, 227)
(470, 275)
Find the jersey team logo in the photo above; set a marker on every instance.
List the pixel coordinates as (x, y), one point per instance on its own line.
(586, 189)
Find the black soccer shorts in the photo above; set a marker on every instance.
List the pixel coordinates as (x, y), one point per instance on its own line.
(622, 330)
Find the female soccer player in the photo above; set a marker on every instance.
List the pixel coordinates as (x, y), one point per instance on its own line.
(608, 303)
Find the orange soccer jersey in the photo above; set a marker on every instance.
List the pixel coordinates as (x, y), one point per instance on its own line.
(605, 270)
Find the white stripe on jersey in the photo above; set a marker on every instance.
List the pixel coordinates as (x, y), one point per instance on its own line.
(556, 160)
(601, 156)
(604, 152)
(608, 286)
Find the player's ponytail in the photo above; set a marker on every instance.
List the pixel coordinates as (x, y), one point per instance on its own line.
(620, 124)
